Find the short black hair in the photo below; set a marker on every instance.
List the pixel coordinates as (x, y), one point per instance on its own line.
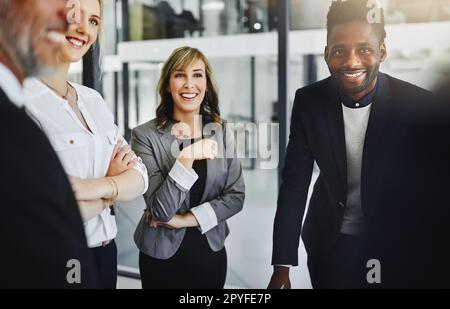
(342, 11)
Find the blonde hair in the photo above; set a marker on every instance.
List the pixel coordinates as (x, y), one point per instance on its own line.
(100, 37)
(180, 59)
(100, 28)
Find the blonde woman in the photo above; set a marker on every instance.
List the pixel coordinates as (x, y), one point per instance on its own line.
(193, 189)
(81, 129)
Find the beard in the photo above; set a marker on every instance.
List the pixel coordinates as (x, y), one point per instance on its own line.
(19, 49)
(371, 75)
(28, 59)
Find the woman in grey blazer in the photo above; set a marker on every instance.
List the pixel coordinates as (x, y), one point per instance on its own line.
(195, 180)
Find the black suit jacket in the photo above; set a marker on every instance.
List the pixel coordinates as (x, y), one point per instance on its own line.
(398, 179)
(40, 225)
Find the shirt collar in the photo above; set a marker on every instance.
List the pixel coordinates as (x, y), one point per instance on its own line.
(363, 102)
(11, 86)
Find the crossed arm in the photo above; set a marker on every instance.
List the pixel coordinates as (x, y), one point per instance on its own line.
(168, 192)
(122, 183)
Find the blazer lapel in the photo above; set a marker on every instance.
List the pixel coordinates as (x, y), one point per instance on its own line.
(336, 130)
(211, 168)
(168, 141)
(210, 177)
(376, 132)
(170, 145)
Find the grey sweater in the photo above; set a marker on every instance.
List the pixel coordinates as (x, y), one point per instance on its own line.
(355, 123)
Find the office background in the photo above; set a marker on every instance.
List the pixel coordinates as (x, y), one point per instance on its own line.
(257, 63)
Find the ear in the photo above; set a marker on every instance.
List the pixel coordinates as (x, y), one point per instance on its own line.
(326, 53)
(383, 51)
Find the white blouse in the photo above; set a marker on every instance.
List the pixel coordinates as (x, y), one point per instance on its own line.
(83, 153)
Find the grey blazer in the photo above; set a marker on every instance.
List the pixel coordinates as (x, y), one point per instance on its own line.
(169, 185)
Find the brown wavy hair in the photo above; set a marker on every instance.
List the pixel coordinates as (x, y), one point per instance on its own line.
(180, 59)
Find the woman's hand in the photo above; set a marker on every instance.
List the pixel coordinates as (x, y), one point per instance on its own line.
(205, 149)
(122, 160)
(90, 189)
(151, 221)
(176, 223)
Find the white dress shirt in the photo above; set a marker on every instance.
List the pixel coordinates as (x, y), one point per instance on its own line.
(84, 153)
(11, 86)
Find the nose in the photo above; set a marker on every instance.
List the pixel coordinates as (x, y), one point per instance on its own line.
(352, 59)
(82, 26)
(75, 16)
(188, 84)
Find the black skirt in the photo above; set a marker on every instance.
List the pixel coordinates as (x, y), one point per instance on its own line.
(194, 266)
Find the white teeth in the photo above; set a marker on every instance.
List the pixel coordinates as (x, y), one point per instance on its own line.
(56, 37)
(76, 42)
(189, 95)
(354, 75)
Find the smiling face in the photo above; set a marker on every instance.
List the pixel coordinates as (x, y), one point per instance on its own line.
(31, 34)
(353, 55)
(80, 37)
(188, 87)
(47, 29)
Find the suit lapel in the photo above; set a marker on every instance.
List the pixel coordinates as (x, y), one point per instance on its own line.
(376, 131)
(171, 147)
(168, 141)
(210, 177)
(211, 168)
(336, 130)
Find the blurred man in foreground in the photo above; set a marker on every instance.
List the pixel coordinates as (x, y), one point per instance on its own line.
(41, 232)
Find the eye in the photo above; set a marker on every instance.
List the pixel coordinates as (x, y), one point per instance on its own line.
(198, 75)
(179, 75)
(338, 52)
(365, 50)
(94, 22)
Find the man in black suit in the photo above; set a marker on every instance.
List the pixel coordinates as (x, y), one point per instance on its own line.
(376, 216)
(42, 239)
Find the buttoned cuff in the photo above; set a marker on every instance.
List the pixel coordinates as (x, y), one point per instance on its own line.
(184, 177)
(206, 217)
(140, 167)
